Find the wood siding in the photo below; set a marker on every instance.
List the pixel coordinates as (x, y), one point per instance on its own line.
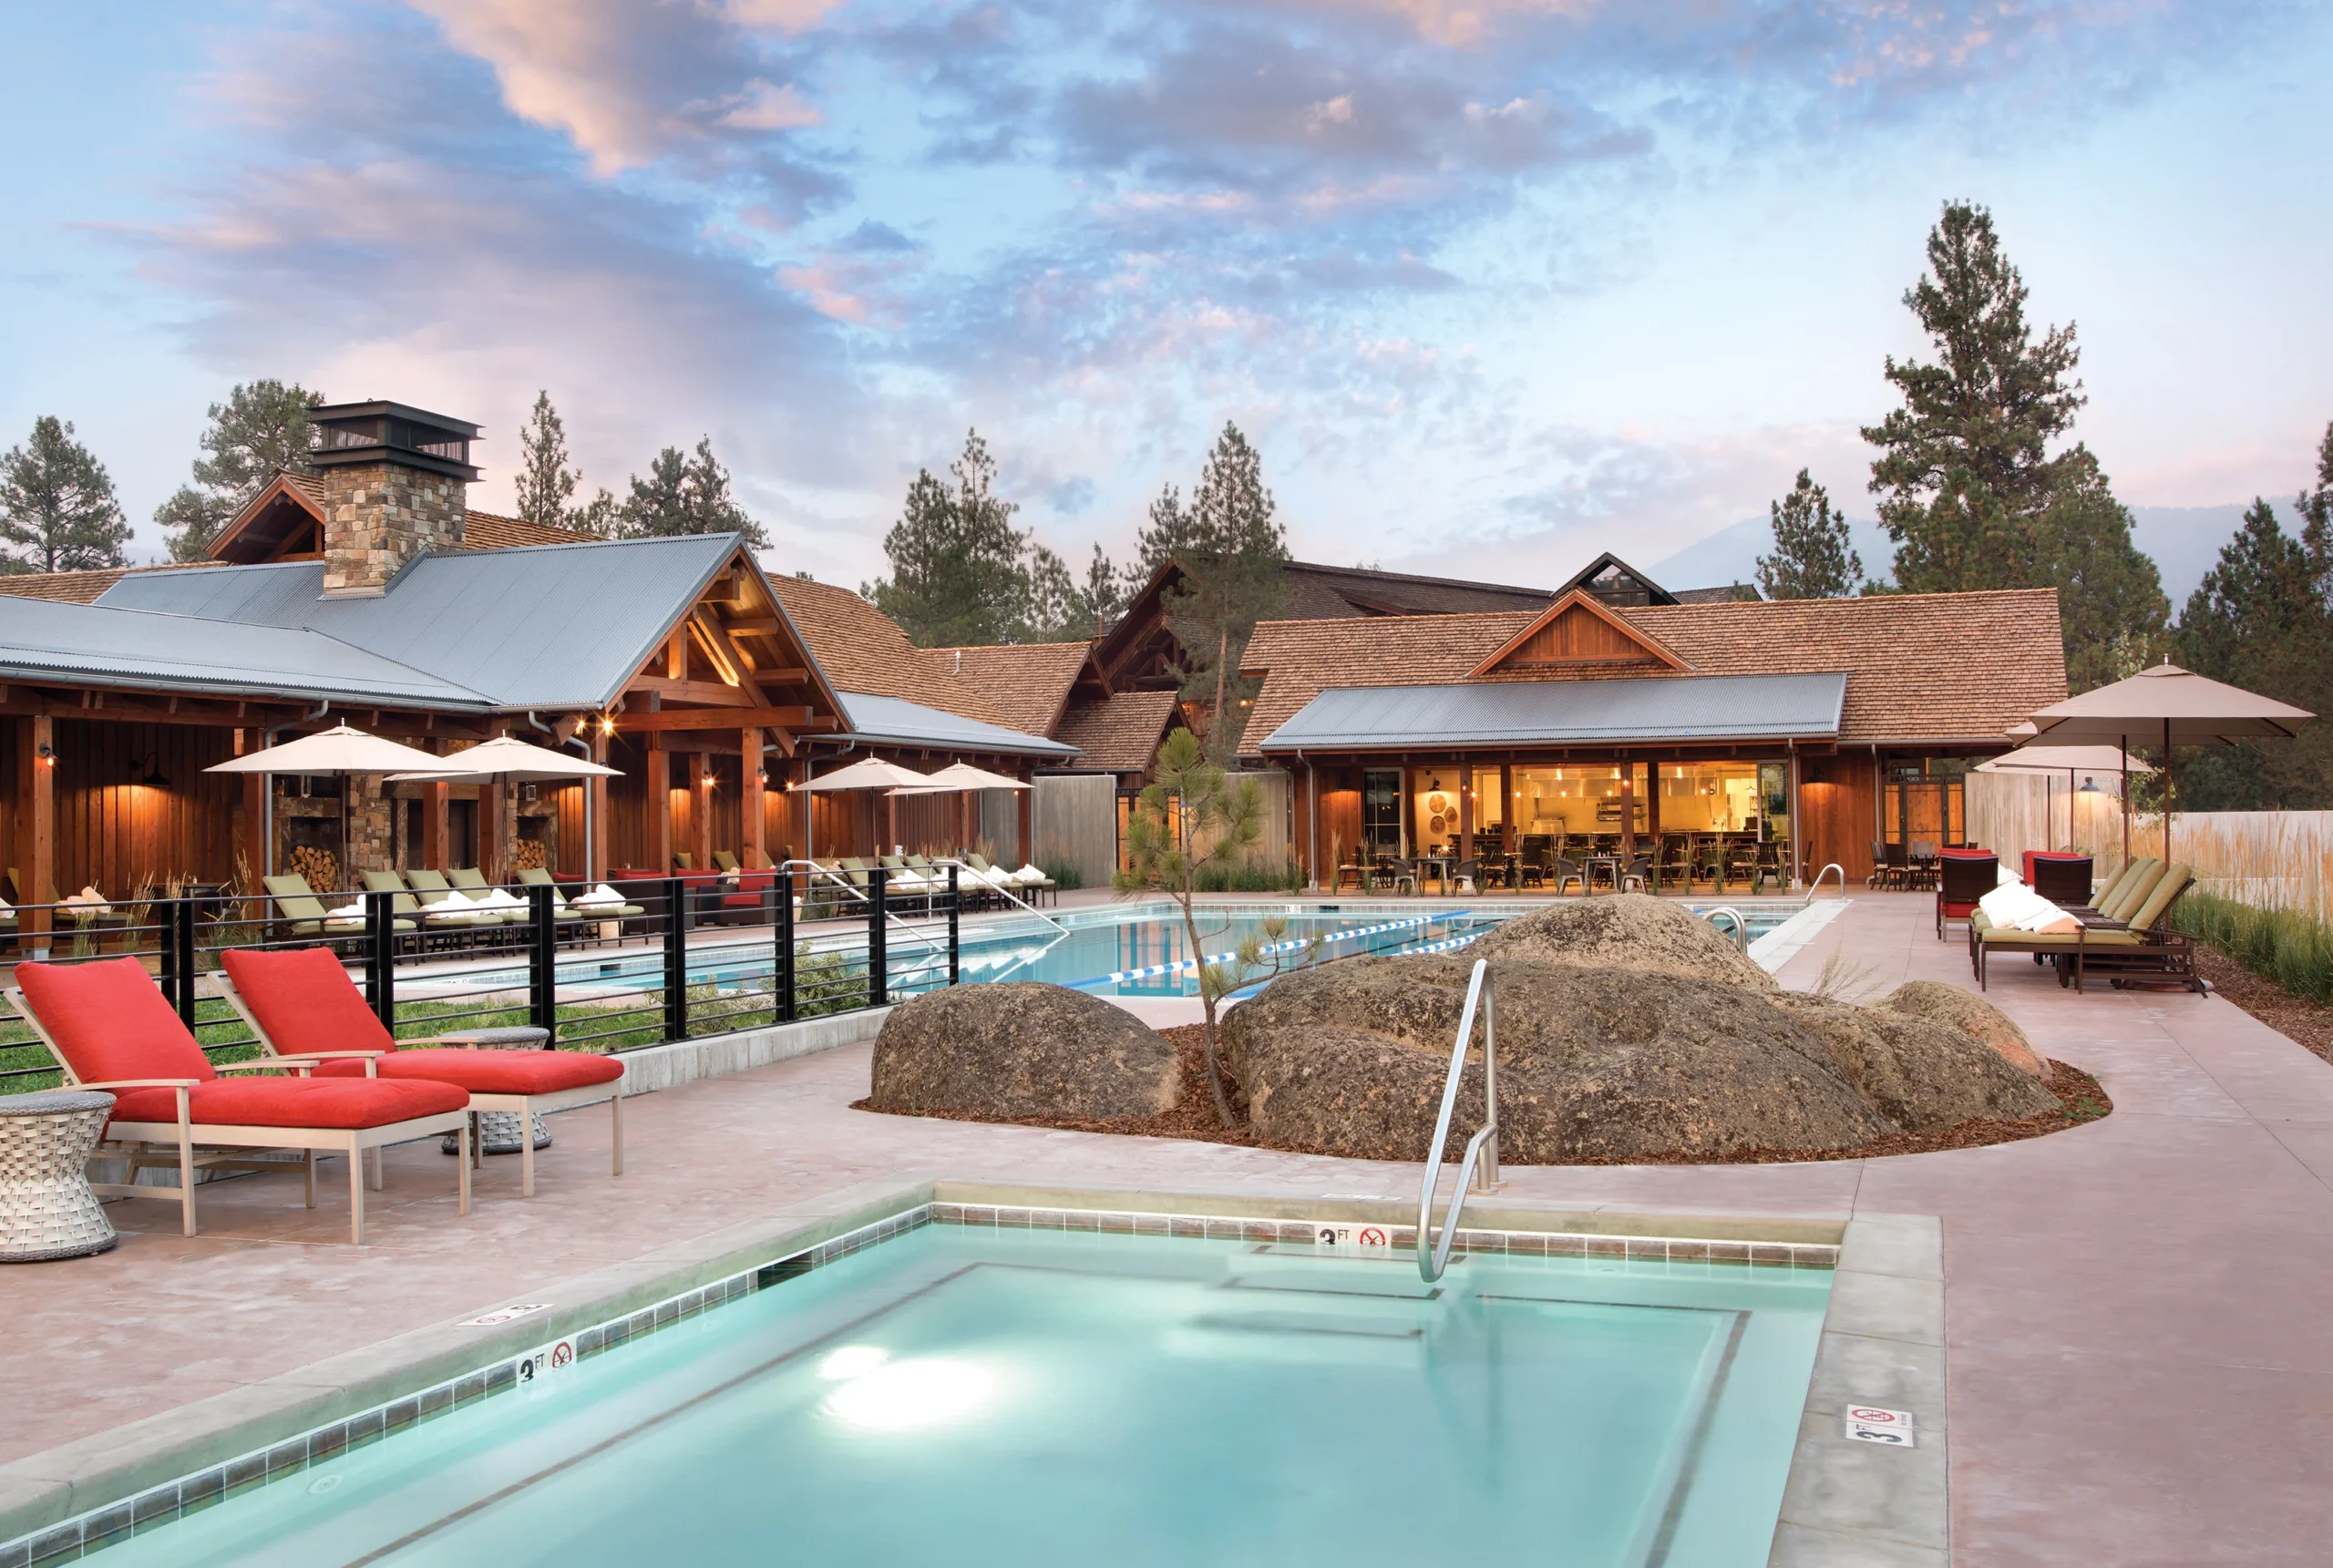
(1836, 809)
(1579, 636)
(117, 835)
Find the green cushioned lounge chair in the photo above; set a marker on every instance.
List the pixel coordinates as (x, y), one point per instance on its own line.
(303, 914)
(2145, 945)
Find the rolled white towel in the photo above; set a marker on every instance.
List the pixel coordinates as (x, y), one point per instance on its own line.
(498, 898)
(599, 897)
(1029, 875)
(354, 911)
(453, 903)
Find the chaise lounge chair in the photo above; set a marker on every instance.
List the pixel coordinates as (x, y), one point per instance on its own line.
(110, 1028)
(303, 997)
(2142, 944)
(301, 913)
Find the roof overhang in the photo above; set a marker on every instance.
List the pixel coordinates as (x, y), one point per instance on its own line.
(257, 531)
(896, 721)
(1652, 709)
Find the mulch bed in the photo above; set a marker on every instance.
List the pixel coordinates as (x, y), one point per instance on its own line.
(2079, 1099)
(2306, 1023)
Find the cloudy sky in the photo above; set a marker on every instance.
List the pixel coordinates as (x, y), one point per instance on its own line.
(1494, 284)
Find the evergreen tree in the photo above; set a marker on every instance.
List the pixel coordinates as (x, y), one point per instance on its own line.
(686, 493)
(1972, 496)
(260, 429)
(2259, 619)
(1813, 555)
(957, 573)
(545, 481)
(57, 510)
(1232, 551)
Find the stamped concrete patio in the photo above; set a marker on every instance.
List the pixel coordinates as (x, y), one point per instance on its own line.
(2140, 1364)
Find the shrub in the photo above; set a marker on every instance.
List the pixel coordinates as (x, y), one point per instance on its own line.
(1066, 875)
(2290, 946)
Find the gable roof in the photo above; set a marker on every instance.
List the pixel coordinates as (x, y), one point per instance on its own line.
(1521, 712)
(1938, 668)
(864, 650)
(1120, 731)
(1326, 592)
(547, 626)
(1025, 684)
(1577, 630)
(1620, 583)
(98, 645)
(895, 721)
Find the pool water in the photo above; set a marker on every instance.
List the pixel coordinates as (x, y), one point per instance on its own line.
(971, 1395)
(1131, 949)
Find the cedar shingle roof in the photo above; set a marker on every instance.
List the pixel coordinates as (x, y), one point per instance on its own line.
(1326, 592)
(493, 531)
(80, 586)
(1120, 731)
(863, 649)
(1933, 667)
(1026, 683)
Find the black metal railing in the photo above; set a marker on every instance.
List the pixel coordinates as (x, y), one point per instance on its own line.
(681, 958)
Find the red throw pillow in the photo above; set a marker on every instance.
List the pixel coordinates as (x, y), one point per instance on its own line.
(305, 1000)
(110, 1021)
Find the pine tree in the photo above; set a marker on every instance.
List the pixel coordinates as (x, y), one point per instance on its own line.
(260, 429)
(1813, 554)
(545, 481)
(2113, 615)
(686, 493)
(957, 574)
(1232, 551)
(2259, 619)
(57, 510)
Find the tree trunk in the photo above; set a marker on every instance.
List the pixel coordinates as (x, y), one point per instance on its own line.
(1207, 1008)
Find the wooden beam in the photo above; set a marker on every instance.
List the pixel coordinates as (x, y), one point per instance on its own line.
(710, 637)
(753, 626)
(701, 810)
(658, 781)
(750, 800)
(783, 739)
(36, 832)
(725, 719)
(677, 655)
(595, 848)
(710, 693)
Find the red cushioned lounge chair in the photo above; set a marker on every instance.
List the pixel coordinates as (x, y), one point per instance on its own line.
(299, 1001)
(110, 1028)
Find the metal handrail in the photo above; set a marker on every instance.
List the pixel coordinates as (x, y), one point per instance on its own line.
(1816, 886)
(1009, 897)
(891, 915)
(1741, 926)
(1483, 1147)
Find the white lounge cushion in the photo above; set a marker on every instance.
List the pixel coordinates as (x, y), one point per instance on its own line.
(352, 911)
(2016, 906)
(1028, 875)
(600, 896)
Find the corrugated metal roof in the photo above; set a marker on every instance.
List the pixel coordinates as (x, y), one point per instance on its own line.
(549, 626)
(895, 721)
(1518, 712)
(105, 645)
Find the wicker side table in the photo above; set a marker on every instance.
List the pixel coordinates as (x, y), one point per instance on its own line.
(497, 1131)
(47, 1209)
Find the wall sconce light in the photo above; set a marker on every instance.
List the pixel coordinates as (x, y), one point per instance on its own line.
(761, 775)
(526, 791)
(46, 754)
(151, 768)
(307, 786)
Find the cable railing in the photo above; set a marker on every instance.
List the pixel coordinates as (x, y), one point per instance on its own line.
(677, 959)
(1482, 1149)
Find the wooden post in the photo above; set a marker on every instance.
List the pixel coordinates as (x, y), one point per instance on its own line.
(657, 776)
(701, 810)
(1028, 800)
(1653, 803)
(1466, 811)
(1627, 811)
(490, 850)
(1509, 836)
(437, 828)
(751, 835)
(595, 851)
(252, 847)
(37, 830)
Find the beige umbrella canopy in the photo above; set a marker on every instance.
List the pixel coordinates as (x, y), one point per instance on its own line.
(508, 757)
(2063, 760)
(2167, 704)
(868, 772)
(341, 750)
(963, 776)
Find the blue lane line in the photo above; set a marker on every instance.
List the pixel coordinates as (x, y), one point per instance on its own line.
(1188, 966)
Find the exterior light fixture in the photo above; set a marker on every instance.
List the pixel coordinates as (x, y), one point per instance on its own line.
(149, 774)
(46, 754)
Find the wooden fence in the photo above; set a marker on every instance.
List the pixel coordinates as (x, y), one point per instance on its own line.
(2270, 859)
(1076, 820)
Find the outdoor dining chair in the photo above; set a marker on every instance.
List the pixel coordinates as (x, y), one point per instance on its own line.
(1967, 876)
(1565, 871)
(109, 1027)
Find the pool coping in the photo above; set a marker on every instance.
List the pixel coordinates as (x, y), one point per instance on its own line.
(1879, 1339)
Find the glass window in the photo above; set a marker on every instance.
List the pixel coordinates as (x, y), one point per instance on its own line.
(1573, 802)
(1710, 797)
(1381, 811)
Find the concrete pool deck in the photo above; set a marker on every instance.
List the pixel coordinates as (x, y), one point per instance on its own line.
(2139, 1367)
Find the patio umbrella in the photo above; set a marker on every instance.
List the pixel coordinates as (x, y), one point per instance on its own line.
(869, 774)
(2178, 705)
(341, 750)
(963, 778)
(2069, 760)
(505, 759)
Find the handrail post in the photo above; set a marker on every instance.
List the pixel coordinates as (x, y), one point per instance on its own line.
(177, 948)
(784, 969)
(878, 965)
(1488, 1180)
(542, 964)
(380, 938)
(955, 949)
(676, 963)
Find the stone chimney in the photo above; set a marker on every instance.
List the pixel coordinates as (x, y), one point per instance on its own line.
(396, 481)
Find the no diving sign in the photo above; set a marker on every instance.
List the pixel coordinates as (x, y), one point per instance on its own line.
(1871, 1424)
(1353, 1235)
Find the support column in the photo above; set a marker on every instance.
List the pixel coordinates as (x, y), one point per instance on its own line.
(657, 776)
(595, 815)
(1628, 810)
(751, 833)
(1466, 811)
(36, 830)
(701, 810)
(437, 828)
(491, 847)
(1510, 835)
(252, 844)
(1028, 799)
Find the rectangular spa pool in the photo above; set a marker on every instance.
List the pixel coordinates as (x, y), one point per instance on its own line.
(970, 1395)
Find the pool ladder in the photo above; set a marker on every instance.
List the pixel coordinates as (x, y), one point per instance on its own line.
(1478, 1172)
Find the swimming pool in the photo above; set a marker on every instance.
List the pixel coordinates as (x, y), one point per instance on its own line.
(1121, 949)
(968, 1395)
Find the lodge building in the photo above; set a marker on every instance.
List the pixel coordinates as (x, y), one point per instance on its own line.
(1394, 713)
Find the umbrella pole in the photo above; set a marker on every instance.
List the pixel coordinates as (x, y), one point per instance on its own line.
(2166, 791)
(2126, 799)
